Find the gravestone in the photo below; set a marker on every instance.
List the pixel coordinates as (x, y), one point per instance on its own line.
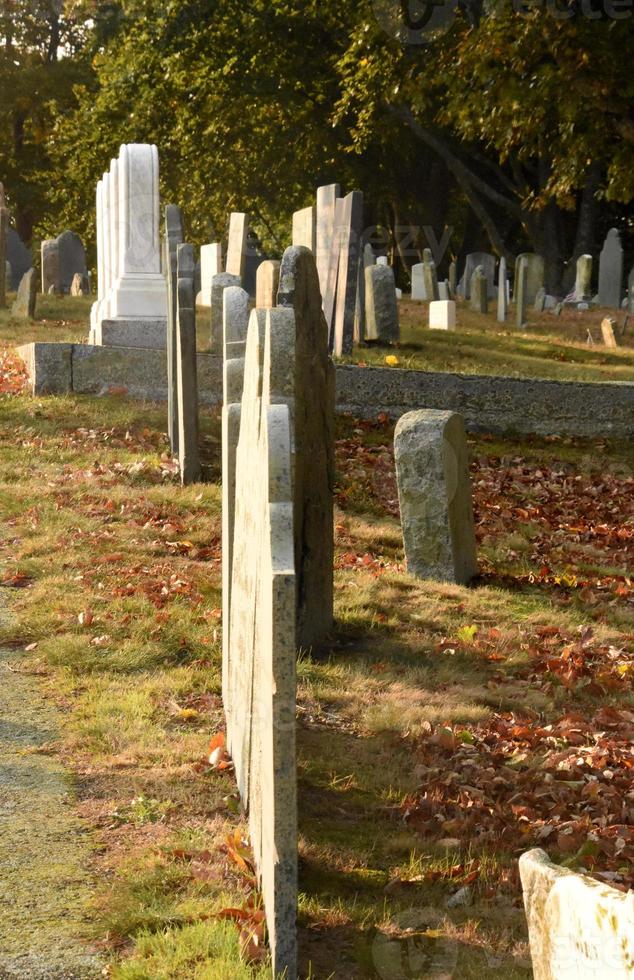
(5, 273)
(607, 331)
(442, 315)
(351, 230)
(210, 266)
(578, 928)
(305, 228)
(443, 290)
(381, 310)
(325, 234)
(266, 284)
(19, 257)
(237, 245)
(453, 279)
(434, 492)
(365, 261)
(173, 238)
(534, 265)
(72, 259)
(218, 285)
(419, 291)
(520, 293)
(382, 260)
(80, 286)
(49, 258)
(611, 270)
(502, 291)
(24, 305)
(478, 291)
(313, 426)
(260, 701)
(583, 280)
(430, 277)
(472, 261)
(540, 300)
(186, 370)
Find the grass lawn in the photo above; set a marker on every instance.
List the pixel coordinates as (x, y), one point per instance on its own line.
(441, 732)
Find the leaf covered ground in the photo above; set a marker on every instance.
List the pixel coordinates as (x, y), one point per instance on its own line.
(443, 731)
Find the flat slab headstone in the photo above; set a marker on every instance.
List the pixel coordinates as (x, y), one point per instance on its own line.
(520, 292)
(478, 291)
(366, 259)
(442, 315)
(534, 265)
(304, 230)
(540, 300)
(72, 259)
(324, 233)
(630, 291)
(583, 279)
(419, 291)
(260, 700)
(237, 245)
(5, 266)
(611, 270)
(472, 261)
(210, 266)
(267, 283)
(502, 292)
(350, 231)
(434, 492)
(24, 304)
(49, 260)
(172, 239)
(578, 928)
(218, 285)
(186, 367)
(381, 311)
(19, 256)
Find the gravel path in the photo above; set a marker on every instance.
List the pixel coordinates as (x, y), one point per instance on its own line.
(44, 849)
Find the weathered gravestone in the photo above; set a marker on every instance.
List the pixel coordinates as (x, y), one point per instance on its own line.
(434, 492)
(607, 331)
(578, 928)
(71, 259)
(19, 257)
(173, 238)
(520, 293)
(478, 291)
(218, 285)
(366, 260)
(430, 277)
(534, 265)
(453, 279)
(540, 300)
(472, 261)
(260, 691)
(443, 290)
(80, 286)
(305, 228)
(501, 310)
(313, 426)
(24, 305)
(325, 234)
(611, 270)
(237, 244)
(210, 266)
(186, 367)
(4, 265)
(350, 231)
(49, 258)
(419, 291)
(381, 310)
(382, 260)
(583, 280)
(266, 284)
(442, 315)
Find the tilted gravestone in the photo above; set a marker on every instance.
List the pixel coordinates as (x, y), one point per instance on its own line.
(260, 689)
(350, 232)
(453, 279)
(24, 305)
(173, 238)
(266, 284)
(611, 270)
(313, 426)
(186, 367)
(607, 331)
(534, 265)
(381, 310)
(19, 257)
(472, 261)
(434, 492)
(578, 928)
(218, 285)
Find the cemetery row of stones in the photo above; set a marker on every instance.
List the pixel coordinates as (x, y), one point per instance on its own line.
(277, 506)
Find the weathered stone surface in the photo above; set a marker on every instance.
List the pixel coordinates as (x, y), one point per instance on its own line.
(313, 428)
(266, 284)
(382, 260)
(381, 311)
(434, 492)
(430, 276)
(478, 291)
(520, 293)
(366, 259)
(210, 266)
(579, 929)
(534, 265)
(80, 286)
(186, 374)
(305, 228)
(260, 692)
(173, 237)
(325, 233)
(49, 367)
(132, 333)
(418, 282)
(611, 270)
(237, 246)
(442, 315)
(5, 267)
(351, 230)
(19, 257)
(72, 260)
(49, 258)
(583, 281)
(487, 263)
(540, 300)
(453, 279)
(24, 304)
(607, 331)
(443, 290)
(218, 285)
(502, 294)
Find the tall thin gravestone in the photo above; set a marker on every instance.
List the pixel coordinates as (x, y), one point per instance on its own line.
(419, 292)
(521, 278)
(611, 270)
(381, 309)
(366, 259)
(304, 228)
(501, 311)
(478, 291)
(173, 238)
(453, 279)
(218, 285)
(583, 280)
(347, 274)
(324, 235)
(187, 379)
(237, 246)
(430, 277)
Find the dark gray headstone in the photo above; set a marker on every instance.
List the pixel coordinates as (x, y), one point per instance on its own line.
(19, 257)
(187, 380)
(381, 310)
(24, 305)
(473, 260)
(611, 270)
(72, 259)
(173, 238)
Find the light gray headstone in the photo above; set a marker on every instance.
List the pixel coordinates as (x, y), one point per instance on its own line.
(578, 927)
(49, 258)
(443, 290)
(583, 280)
(260, 692)
(24, 305)
(351, 230)
(540, 300)
(382, 260)
(305, 228)
(381, 310)
(478, 291)
(218, 285)
(502, 291)
(325, 234)
(173, 238)
(186, 372)
(434, 492)
(611, 270)
(211, 264)
(418, 282)
(534, 265)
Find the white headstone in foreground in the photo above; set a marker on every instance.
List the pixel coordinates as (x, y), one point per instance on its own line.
(442, 315)
(579, 929)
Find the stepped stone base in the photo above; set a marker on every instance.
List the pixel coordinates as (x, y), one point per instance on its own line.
(146, 332)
